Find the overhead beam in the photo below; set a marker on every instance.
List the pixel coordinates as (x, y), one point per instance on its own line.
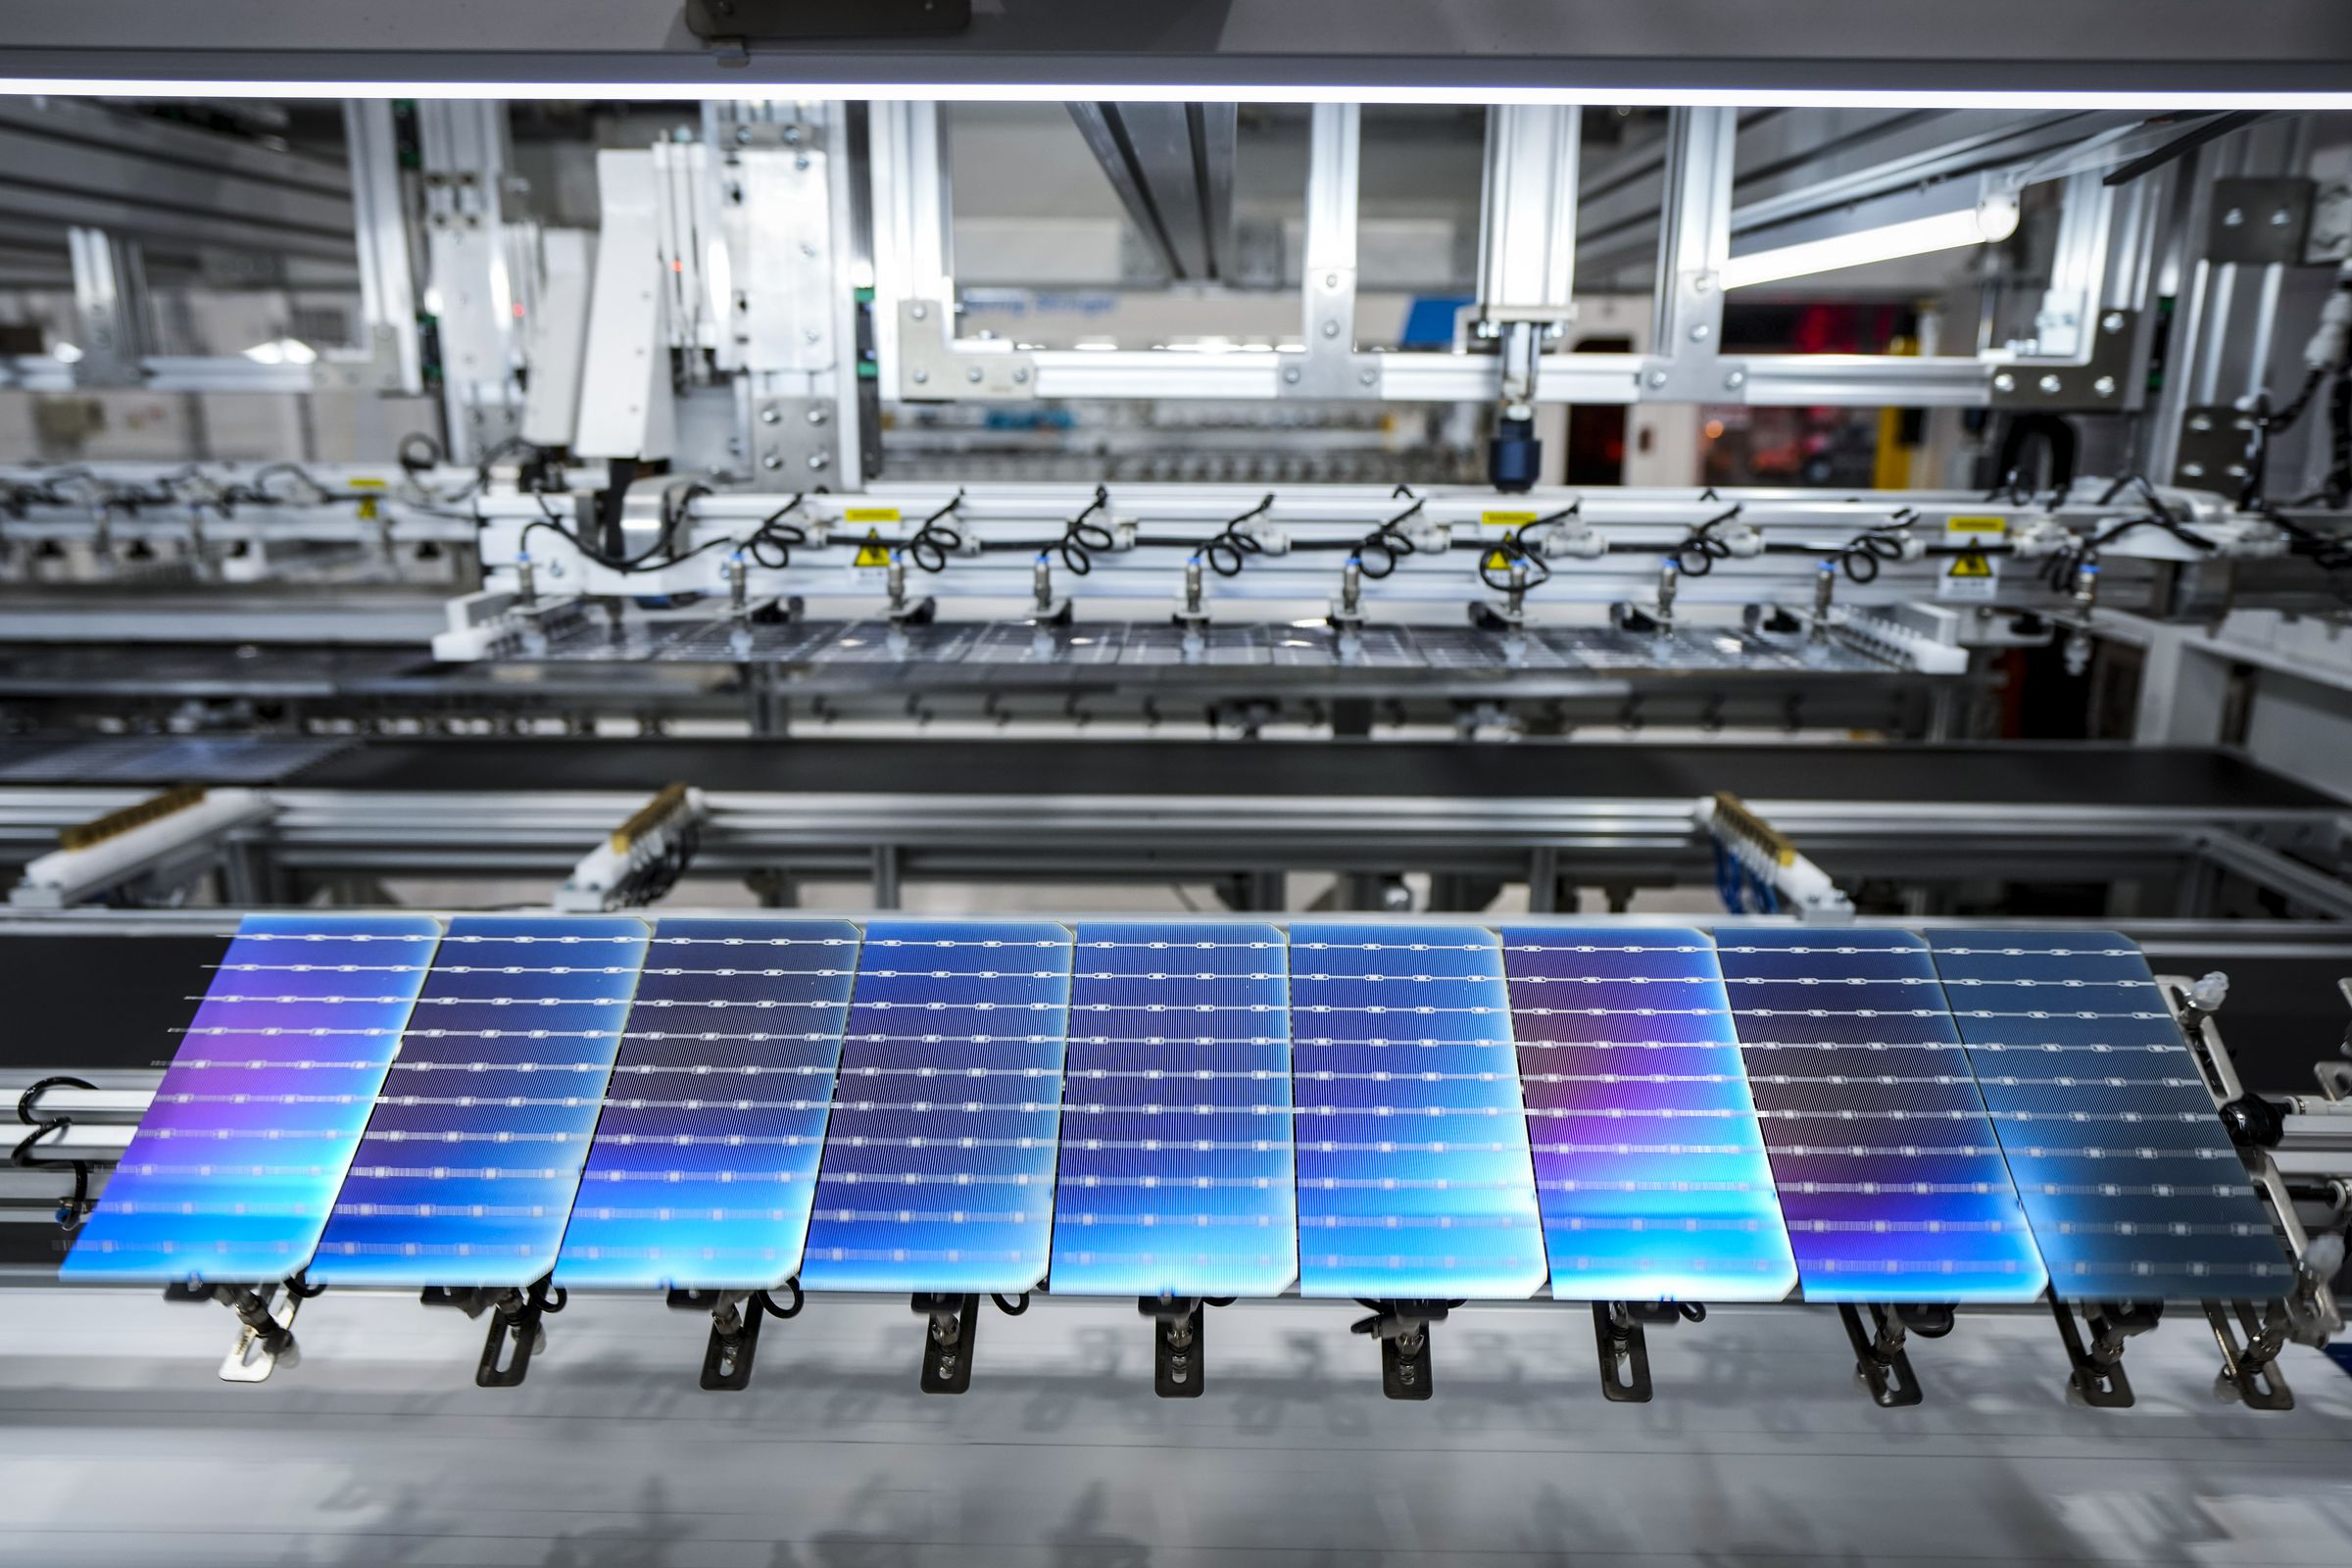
(1172, 166)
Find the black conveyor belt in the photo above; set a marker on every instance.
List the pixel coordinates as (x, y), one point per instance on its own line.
(2071, 774)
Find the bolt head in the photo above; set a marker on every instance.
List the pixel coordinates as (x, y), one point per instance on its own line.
(921, 313)
(800, 162)
(921, 376)
(2199, 422)
(771, 415)
(1734, 380)
(743, 135)
(2112, 322)
(2235, 470)
(771, 463)
(1291, 376)
(1657, 378)
(1331, 280)
(2051, 384)
(2004, 382)
(2194, 471)
(1699, 332)
(1367, 377)
(2281, 217)
(817, 461)
(820, 414)
(2232, 219)
(2105, 386)
(973, 375)
(1020, 377)
(1331, 329)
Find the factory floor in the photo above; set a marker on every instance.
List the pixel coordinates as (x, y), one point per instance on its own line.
(118, 1447)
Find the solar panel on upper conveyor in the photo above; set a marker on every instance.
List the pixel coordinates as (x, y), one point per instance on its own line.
(1176, 1173)
(469, 1168)
(1889, 1176)
(233, 1169)
(2128, 1177)
(704, 1162)
(1414, 1174)
(1650, 1163)
(938, 1172)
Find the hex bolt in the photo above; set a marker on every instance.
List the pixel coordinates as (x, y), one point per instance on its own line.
(973, 375)
(2105, 386)
(819, 462)
(1367, 377)
(771, 415)
(1657, 378)
(2112, 322)
(1734, 380)
(919, 311)
(2194, 471)
(1699, 332)
(771, 463)
(1291, 376)
(2051, 384)
(820, 414)
(2004, 382)
(1331, 329)
(1020, 376)
(2232, 219)
(921, 376)
(2199, 422)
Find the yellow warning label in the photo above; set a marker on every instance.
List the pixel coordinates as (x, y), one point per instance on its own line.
(870, 515)
(367, 509)
(1506, 519)
(1991, 526)
(1972, 564)
(873, 552)
(1497, 561)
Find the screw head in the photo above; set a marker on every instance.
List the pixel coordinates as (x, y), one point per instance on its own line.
(1367, 377)
(743, 135)
(1020, 377)
(1699, 332)
(818, 461)
(800, 162)
(2235, 470)
(2281, 217)
(1331, 329)
(2195, 470)
(771, 415)
(2004, 382)
(919, 312)
(2112, 322)
(2232, 219)
(810, 334)
(2051, 384)
(1735, 379)
(820, 414)
(973, 375)
(2199, 422)
(921, 376)
(1291, 376)
(2105, 386)
(1331, 280)
(1657, 378)
(771, 463)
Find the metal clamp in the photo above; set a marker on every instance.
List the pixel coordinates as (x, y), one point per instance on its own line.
(2249, 1366)
(735, 1319)
(516, 1333)
(1617, 1333)
(955, 1322)
(1403, 1329)
(1879, 1359)
(2098, 1368)
(265, 1326)
(1179, 1326)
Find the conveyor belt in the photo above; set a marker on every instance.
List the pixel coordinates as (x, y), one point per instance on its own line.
(2001, 774)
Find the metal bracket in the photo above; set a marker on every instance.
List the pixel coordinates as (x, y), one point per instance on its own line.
(2100, 381)
(2250, 1366)
(265, 1328)
(2260, 222)
(2214, 439)
(1618, 1334)
(515, 1330)
(948, 1343)
(1403, 1329)
(2098, 1368)
(1179, 1357)
(1879, 1359)
(935, 369)
(735, 1318)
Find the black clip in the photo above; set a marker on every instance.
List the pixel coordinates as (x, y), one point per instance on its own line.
(1179, 1354)
(2098, 1374)
(735, 1319)
(1879, 1359)
(515, 1335)
(947, 1345)
(1403, 1329)
(1617, 1332)
(2251, 1367)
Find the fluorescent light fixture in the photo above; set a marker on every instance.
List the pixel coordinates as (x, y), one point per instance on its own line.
(1993, 218)
(1054, 93)
(283, 351)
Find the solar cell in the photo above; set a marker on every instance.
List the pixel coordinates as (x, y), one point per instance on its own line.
(1889, 1176)
(469, 1167)
(1176, 1172)
(1649, 1165)
(1413, 1174)
(938, 1170)
(2127, 1178)
(705, 1160)
(233, 1169)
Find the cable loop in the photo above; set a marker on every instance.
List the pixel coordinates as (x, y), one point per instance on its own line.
(1081, 538)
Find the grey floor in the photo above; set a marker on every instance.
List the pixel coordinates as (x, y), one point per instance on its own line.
(118, 1447)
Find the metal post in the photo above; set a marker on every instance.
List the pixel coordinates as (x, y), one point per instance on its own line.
(1330, 367)
(474, 290)
(1693, 245)
(110, 303)
(380, 226)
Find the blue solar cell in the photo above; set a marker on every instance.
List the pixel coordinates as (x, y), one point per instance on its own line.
(938, 1170)
(1889, 1174)
(235, 1165)
(1176, 1173)
(704, 1162)
(2128, 1177)
(467, 1171)
(1413, 1174)
(1651, 1167)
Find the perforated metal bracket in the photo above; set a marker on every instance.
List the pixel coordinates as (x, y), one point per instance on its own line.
(2098, 1377)
(1406, 1370)
(2101, 381)
(1624, 1354)
(265, 1326)
(1879, 1359)
(934, 368)
(955, 1325)
(1179, 1327)
(2249, 1366)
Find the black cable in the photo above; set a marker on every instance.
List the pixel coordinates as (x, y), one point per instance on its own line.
(933, 540)
(76, 1207)
(629, 567)
(1378, 552)
(1862, 556)
(766, 1300)
(1700, 550)
(1514, 549)
(1226, 553)
(1080, 539)
(771, 543)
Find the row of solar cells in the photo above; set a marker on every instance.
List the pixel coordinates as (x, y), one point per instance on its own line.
(1209, 1110)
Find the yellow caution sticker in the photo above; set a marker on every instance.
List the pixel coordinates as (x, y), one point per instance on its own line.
(1975, 564)
(367, 509)
(1506, 519)
(870, 515)
(873, 552)
(1995, 526)
(1497, 561)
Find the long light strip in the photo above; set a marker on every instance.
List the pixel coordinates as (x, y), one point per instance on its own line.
(738, 88)
(1917, 236)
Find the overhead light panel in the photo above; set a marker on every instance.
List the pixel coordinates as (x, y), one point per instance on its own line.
(1989, 221)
